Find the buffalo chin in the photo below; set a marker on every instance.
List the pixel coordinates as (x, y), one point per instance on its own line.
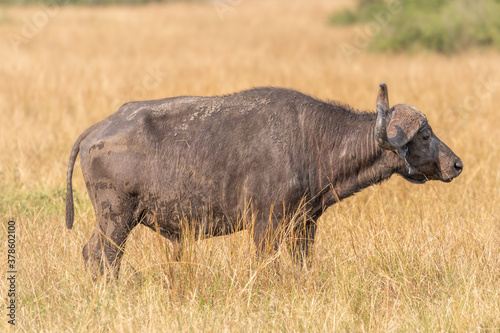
(413, 180)
(423, 179)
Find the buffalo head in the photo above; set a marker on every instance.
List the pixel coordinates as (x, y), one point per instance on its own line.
(409, 135)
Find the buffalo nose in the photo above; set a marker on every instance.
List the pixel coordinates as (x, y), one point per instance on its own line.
(459, 166)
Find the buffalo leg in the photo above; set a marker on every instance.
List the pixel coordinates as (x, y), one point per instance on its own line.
(105, 248)
(266, 236)
(303, 241)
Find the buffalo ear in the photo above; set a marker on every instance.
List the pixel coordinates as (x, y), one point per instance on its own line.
(406, 121)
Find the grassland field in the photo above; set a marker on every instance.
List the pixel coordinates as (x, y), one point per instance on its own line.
(396, 257)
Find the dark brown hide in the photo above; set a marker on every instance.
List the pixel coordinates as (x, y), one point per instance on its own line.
(216, 162)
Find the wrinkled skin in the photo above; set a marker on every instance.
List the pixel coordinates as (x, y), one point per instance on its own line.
(216, 163)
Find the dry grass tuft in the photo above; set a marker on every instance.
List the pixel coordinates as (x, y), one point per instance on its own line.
(396, 257)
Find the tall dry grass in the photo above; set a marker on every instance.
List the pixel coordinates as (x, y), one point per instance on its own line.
(396, 257)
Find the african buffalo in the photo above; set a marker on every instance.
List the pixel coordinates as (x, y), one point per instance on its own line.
(218, 162)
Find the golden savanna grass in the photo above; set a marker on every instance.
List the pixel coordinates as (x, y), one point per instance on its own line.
(395, 257)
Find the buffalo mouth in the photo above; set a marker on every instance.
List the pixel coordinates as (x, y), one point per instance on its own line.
(422, 179)
(448, 178)
(416, 179)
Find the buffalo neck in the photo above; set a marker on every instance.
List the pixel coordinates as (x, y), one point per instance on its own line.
(349, 159)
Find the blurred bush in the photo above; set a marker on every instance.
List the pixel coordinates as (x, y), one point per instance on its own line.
(446, 26)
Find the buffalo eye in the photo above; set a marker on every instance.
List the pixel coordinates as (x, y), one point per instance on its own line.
(426, 135)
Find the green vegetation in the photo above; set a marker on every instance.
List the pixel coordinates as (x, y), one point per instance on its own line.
(445, 26)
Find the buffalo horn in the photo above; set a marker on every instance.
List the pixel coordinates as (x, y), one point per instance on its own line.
(380, 125)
